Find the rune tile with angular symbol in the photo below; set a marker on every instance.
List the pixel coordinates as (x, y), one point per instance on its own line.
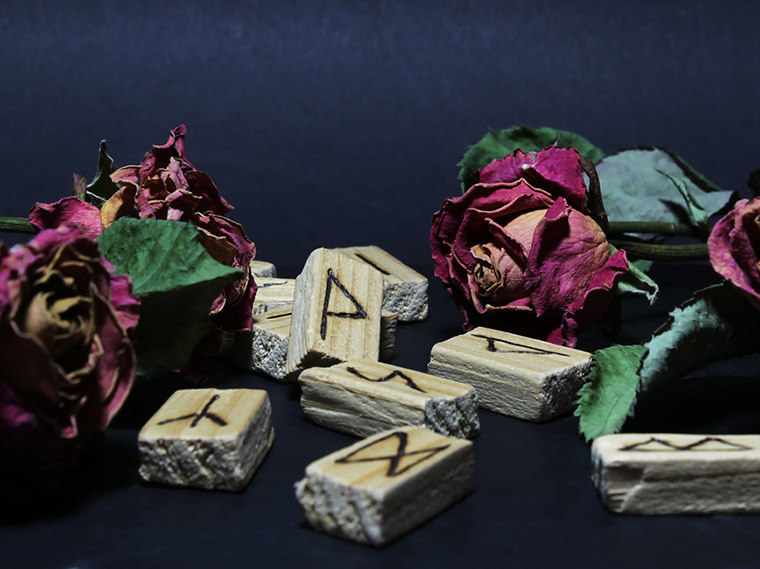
(677, 474)
(364, 397)
(514, 375)
(386, 485)
(207, 438)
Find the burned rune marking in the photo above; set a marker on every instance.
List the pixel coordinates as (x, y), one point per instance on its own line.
(369, 262)
(265, 285)
(526, 349)
(395, 459)
(656, 445)
(359, 314)
(204, 414)
(395, 373)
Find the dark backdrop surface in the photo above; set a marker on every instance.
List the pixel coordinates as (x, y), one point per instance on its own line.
(341, 123)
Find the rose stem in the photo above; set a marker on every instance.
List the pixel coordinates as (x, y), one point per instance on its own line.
(654, 252)
(658, 227)
(17, 225)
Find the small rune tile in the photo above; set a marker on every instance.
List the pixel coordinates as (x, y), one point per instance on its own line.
(207, 438)
(364, 397)
(386, 485)
(677, 473)
(388, 325)
(273, 294)
(265, 348)
(336, 312)
(514, 375)
(404, 289)
(263, 269)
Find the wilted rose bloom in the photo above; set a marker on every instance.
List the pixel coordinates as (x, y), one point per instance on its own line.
(167, 186)
(733, 246)
(67, 361)
(519, 250)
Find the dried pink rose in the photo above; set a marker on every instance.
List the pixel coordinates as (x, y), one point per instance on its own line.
(733, 246)
(167, 186)
(520, 251)
(67, 361)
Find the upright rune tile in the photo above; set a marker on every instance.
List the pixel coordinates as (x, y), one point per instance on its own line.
(677, 474)
(336, 312)
(273, 294)
(207, 438)
(404, 289)
(514, 375)
(386, 485)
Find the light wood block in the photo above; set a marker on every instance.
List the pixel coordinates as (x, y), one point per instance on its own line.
(207, 438)
(363, 397)
(405, 290)
(263, 269)
(265, 348)
(273, 294)
(514, 375)
(386, 485)
(336, 312)
(677, 474)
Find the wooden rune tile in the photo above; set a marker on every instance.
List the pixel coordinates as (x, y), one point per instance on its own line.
(386, 485)
(207, 438)
(677, 474)
(263, 269)
(514, 375)
(404, 289)
(388, 325)
(273, 294)
(364, 397)
(336, 312)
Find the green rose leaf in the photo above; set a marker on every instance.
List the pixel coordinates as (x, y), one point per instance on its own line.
(654, 184)
(718, 323)
(497, 144)
(176, 281)
(102, 187)
(608, 397)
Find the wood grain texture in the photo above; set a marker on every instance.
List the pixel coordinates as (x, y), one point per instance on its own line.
(207, 438)
(677, 474)
(336, 312)
(386, 485)
(404, 289)
(273, 294)
(514, 375)
(263, 269)
(364, 397)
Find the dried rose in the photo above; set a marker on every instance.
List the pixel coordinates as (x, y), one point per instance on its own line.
(733, 246)
(67, 361)
(520, 251)
(167, 186)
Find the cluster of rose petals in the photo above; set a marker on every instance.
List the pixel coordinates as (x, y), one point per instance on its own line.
(67, 327)
(519, 250)
(167, 186)
(733, 247)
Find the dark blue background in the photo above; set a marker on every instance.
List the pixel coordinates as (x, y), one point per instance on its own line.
(341, 123)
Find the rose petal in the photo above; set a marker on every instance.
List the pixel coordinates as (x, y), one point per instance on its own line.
(69, 210)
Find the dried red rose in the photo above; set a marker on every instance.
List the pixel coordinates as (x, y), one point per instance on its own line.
(520, 251)
(67, 361)
(733, 246)
(167, 186)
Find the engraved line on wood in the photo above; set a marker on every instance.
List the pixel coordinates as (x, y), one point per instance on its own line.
(395, 373)
(393, 460)
(359, 314)
(366, 260)
(691, 446)
(528, 349)
(265, 285)
(204, 414)
(287, 314)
